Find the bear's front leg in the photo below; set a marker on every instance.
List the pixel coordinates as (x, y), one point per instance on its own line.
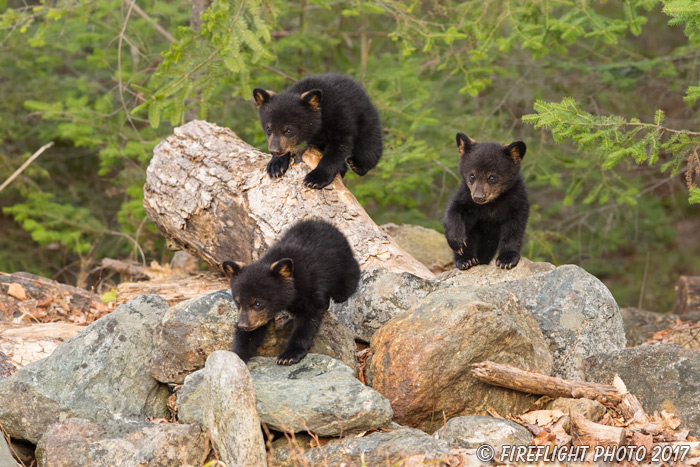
(301, 340)
(456, 234)
(278, 166)
(467, 255)
(332, 163)
(245, 343)
(511, 242)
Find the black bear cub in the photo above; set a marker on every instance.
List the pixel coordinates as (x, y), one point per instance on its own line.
(309, 265)
(489, 211)
(331, 112)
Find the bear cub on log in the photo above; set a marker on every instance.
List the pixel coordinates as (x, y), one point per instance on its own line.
(309, 265)
(489, 211)
(331, 112)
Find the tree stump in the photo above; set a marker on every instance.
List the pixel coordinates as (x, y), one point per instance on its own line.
(687, 295)
(208, 192)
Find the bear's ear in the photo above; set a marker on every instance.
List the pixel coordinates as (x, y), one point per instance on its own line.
(516, 151)
(464, 143)
(283, 268)
(312, 99)
(231, 268)
(262, 97)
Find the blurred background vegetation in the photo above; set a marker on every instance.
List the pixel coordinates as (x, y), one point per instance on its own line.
(604, 93)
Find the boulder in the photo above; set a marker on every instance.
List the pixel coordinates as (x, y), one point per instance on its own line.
(590, 409)
(426, 245)
(319, 394)
(576, 313)
(193, 329)
(101, 374)
(474, 430)
(81, 442)
(221, 397)
(189, 332)
(663, 377)
(421, 360)
(381, 295)
(399, 446)
(488, 275)
(6, 459)
(640, 324)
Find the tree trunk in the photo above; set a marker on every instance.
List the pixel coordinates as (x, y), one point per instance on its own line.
(687, 295)
(28, 298)
(209, 194)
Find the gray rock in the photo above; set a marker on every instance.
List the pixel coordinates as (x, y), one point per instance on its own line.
(488, 275)
(663, 377)
(221, 397)
(319, 394)
(380, 296)
(189, 332)
(399, 446)
(426, 245)
(6, 459)
(640, 325)
(101, 374)
(577, 314)
(475, 430)
(421, 360)
(590, 409)
(82, 442)
(193, 329)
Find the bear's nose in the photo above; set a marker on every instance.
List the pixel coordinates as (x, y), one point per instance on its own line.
(480, 199)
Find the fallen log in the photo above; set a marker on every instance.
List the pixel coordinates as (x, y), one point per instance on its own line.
(587, 433)
(612, 396)
(27, 343)
(26, 298)
(687, 295)
(207, 191)
(173, 290)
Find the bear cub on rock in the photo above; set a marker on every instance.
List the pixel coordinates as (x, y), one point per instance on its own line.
(309, 265)
(489, 211)
(331, 112)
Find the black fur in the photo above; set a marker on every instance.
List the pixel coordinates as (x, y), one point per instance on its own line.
(309, 265)
(331, 112)
(489, 211)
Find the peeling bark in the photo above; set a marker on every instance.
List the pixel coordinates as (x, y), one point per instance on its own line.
(209, 194)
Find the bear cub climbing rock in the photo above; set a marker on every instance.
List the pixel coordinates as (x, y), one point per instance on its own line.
(309, 265)
(331, 112)
(489, 211)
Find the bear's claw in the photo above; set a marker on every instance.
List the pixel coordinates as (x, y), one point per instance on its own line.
(290, 357)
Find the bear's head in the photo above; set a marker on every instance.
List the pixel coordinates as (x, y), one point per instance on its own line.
(260, 291)
(489, 169)
(288, 119)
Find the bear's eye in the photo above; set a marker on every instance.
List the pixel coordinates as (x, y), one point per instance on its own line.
(269, 131)
(288, 131)
(257, 305)
(492, 179)
(472, 178)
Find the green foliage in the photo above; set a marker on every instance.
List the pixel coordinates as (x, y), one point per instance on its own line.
(231, 42)
(694, 195)
(50, 222)
(611, 82)
(684, 12)
(614, 139)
